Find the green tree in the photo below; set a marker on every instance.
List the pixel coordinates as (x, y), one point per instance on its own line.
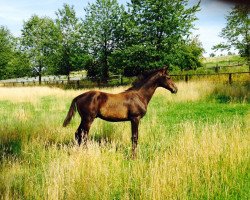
(6, 52)
(13, 62)
(103, 29)
(237, 31)
(39, 40)
(134, 59)
(188, 54)
(19, 65)
(70, 43)
(163, 23)
(158, 31)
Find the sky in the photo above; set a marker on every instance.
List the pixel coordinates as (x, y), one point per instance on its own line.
(211, 17)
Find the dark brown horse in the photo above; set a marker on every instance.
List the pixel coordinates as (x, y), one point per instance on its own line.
(130, 105)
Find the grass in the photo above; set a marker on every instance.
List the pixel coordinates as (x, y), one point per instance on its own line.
(233, 63)
(224, 64)
(192, 145)
(224, 59)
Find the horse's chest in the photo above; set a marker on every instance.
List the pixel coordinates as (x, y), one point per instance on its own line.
(137, 108)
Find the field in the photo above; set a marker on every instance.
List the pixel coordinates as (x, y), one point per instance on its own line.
(192, 145)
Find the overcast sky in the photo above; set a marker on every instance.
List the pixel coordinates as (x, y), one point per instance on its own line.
(14, 12)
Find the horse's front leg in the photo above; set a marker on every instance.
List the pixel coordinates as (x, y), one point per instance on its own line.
(134, 138)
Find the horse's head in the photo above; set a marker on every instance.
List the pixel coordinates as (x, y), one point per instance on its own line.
(165, 81)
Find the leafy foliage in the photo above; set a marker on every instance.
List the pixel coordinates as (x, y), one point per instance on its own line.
(134, 59)
(159, 32)
(5, 50)
(13, 62)
(187, 55)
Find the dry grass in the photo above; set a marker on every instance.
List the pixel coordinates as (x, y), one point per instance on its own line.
(30, 94)
(191, 91)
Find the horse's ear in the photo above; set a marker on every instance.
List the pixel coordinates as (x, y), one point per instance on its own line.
(165, 69)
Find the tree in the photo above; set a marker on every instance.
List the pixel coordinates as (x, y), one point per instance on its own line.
(134, 59)
(5, 51)
(103, 26)
(163, 23)
(158, 31)
(19, 65)
(13, 62)
(188, 54)
(71, 46)
(39, 40)
(237, 31)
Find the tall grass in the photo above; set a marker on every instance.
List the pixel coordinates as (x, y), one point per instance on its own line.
(192, 145)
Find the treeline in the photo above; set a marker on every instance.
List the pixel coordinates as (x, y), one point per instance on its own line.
(108, 39)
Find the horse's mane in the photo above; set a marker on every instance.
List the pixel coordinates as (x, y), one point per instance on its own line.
(143, 78)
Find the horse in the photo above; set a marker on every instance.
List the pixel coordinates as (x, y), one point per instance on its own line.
(129, 105)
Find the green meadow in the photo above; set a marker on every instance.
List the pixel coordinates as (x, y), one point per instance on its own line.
(192, 145)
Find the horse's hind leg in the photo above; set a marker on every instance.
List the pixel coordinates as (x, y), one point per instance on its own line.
(83, 131)
(78, 133)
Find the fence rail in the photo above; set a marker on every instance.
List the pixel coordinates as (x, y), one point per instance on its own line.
(117, 80)
(229, 76)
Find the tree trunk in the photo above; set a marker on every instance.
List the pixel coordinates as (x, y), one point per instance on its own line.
(40, 73)
(68, 78)
(105, 71)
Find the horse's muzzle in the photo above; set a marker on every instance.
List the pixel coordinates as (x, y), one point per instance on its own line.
(174, 91)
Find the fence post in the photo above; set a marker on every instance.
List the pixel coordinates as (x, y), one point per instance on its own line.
(216, 69)
(121, 80)
(186, 78)
(230, 81)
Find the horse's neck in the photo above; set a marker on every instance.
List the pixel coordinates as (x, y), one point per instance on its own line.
(147, 90)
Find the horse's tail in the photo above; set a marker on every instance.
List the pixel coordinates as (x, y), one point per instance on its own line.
(71, 113)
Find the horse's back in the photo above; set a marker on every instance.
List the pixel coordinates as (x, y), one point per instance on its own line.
(100, 104)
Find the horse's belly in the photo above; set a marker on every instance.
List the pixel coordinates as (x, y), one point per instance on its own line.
(114, 112)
